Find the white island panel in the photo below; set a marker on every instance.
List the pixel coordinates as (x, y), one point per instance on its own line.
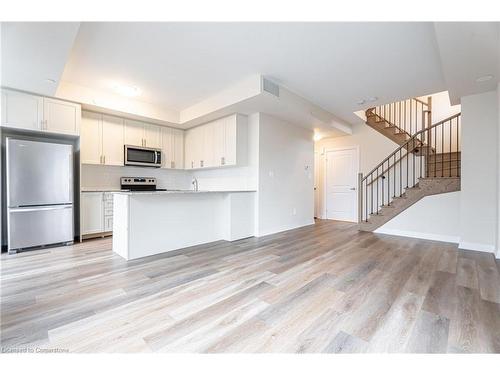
(151, 223)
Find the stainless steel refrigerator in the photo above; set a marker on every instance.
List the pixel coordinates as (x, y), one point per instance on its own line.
(39, 193)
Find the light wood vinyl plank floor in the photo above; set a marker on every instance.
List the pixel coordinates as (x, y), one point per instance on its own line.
(324, 288)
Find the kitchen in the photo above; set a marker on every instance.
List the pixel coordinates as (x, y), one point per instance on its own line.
(118, 147)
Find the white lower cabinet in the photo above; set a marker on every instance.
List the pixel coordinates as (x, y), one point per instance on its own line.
(97, 212)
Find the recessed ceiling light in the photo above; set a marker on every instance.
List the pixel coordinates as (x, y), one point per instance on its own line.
(361, 102)
(373, 99)
(485, 78)
(126, 90)
(50, 80)
(317, 137)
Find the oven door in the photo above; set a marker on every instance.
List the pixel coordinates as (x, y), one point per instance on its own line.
(142, 156)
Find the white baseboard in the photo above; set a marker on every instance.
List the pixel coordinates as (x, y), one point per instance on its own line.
(283, 229)
(424, 236)
(477, 247)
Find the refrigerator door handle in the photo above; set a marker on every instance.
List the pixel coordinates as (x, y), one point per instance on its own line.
(41, 208)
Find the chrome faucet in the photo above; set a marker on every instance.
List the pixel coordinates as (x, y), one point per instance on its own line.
(194, 182)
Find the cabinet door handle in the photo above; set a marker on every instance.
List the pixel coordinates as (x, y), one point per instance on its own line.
(104, 159)
(172, 164)
(223, 160)
(201, 163)
(192, 164)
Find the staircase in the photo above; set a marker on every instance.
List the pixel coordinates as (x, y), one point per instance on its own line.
(427, 161)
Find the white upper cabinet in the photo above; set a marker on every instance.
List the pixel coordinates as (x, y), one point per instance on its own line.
(32, 112)
(152, 136)
(20, 110)
(61, 117)
(141, 134)
(178, 146)
(217, 144)
(189, 149)
(90, 138)
(219, 154)
(134, 133)
(112, 140)
(207, 146)
(101, 139)
(172, 144)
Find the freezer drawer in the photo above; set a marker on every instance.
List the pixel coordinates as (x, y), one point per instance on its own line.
(42, 225)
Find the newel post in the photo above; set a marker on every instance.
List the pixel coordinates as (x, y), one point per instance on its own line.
(360, 197)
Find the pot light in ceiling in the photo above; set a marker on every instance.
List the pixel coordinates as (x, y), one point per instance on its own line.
(317, 137)
(126, 90)
(50, 80)
(373, 99)
(485, 78)
(361, 102)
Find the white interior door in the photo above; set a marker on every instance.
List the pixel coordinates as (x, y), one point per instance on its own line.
(340, 184)
(316, 185)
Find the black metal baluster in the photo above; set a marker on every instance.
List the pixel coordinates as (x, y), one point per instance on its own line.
(435, 152)
(449, 149)
(442, 149)
(400, 173)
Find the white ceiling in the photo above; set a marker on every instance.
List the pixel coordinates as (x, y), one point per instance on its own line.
(469, 50)
(334, 65)
(177, 65)
(34, 52)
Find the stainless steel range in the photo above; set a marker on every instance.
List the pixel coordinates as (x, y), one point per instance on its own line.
(139, 184)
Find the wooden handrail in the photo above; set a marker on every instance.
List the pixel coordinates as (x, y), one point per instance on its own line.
(413, 137)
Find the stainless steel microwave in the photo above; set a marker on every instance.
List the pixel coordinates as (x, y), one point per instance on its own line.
(142, 156)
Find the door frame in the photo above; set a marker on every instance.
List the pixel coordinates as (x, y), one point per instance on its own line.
(325, 171)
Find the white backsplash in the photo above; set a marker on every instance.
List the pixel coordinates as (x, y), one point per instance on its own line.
(232, 178)
(108, 177)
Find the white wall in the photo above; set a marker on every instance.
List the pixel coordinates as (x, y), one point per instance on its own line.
(373, 148)
(498, 174)
(478, 202)
(436, 217)
(108, 177)
(286, 184)
(236, 178)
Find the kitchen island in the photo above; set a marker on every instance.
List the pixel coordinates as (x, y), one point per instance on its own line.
(153, 222)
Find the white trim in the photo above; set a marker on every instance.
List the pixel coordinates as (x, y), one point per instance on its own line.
(283, 229)
(421, 235)
(325, 204)
(477, 247)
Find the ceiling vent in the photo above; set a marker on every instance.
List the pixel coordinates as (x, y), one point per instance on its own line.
(270, 87)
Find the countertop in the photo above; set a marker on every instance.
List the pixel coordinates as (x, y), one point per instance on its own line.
(100, 190)
(180, 192)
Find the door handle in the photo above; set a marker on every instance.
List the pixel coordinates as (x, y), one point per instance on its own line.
(353, 188)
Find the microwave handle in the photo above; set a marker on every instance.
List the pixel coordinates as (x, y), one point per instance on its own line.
(156, 157)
